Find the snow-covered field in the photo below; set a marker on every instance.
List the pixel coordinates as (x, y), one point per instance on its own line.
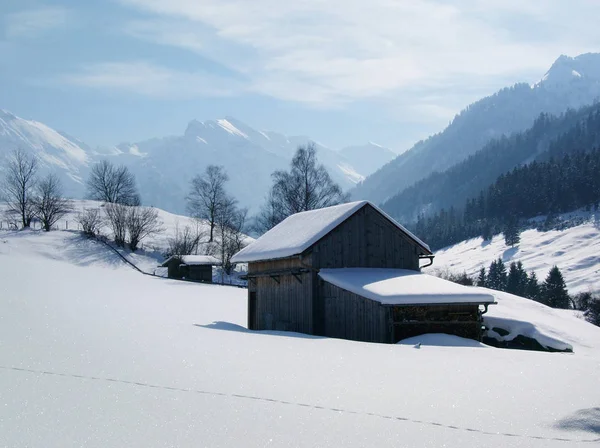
(94, 354)
(576, 251)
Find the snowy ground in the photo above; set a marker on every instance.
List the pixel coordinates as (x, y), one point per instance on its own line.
(95, 354)
(576, 251)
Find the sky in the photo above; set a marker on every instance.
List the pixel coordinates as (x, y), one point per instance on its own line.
(342, 72)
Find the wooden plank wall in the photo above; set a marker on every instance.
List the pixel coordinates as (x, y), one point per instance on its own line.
(350, 316)
(274, 265)
(286, 305)
(369, 240)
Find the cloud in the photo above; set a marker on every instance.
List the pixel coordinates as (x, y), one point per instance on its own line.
(330, 52)
(145, 78)
(34, 22)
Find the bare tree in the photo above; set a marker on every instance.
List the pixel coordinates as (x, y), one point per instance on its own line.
(19, 186)
(91, 221)
(116, 216)
(231, 222)
(269, 216)
(183, 242)
(141, 222)
(207, 195)
(111, 184)
(49, 205)
(307, 186)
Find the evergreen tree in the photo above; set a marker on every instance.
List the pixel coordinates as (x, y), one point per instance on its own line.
(481, 279)
(554, 290)
(511, 233)
(533, 287)
(497, 275)
(517, 279)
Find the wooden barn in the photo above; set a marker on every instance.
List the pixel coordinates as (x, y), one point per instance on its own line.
(191, 267)
(350, 271)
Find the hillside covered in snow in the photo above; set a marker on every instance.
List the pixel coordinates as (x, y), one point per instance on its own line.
(110, 357)
(575, 250)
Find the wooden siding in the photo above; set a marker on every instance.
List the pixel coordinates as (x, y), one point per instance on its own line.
(283, 302)
(274, 265)
(350, 316)
(368, 240)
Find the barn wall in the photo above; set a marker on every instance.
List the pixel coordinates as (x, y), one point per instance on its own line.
(284, 306)
(274, 265)
(350, 316)
(282, 302)
(367, 239)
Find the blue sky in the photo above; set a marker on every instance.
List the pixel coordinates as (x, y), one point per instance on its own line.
(341, 72)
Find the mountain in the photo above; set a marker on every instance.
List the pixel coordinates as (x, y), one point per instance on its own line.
(570, 83)
(369, 157)
(55, 151)
(452, 187)
(165, 166)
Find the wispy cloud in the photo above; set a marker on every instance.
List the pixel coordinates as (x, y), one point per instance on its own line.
(34, 22)
(145, 78)
(327, 52)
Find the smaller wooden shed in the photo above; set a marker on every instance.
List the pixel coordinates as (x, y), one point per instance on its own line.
(191, 267)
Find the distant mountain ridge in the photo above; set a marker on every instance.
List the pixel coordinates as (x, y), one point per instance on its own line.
(165, 166)
(569, 83)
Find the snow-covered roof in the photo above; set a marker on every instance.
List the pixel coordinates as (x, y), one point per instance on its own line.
(402, 287)
(298, 232)
(196, 260)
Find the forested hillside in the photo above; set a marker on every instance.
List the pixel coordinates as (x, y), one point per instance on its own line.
(564, 178)
(570, 83)
(553, 135)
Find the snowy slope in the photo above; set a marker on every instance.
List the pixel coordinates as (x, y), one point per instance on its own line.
(55, 151)
(94, 354)
(576, 251)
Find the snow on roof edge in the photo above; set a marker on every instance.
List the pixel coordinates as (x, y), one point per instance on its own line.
(247, 255)
(403, 287)
(195, 260)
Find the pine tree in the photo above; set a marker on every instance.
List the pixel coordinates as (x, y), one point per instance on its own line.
(511, 233)
(517, 279)
(497, 275)
(554, 290)
(481, 279)
(532, 290)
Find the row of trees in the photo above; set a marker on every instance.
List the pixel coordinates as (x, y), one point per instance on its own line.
(539, 188)
(306, 186)
(30, 197)
(551, 292)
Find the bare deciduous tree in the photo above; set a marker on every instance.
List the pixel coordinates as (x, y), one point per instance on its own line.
(49, 205)
(207, 195)
(231, 222)
(141, 222)
(19, 186)
(111, 184)
(91, 221)
(183, 242)
(116, 216)
(307, 186)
